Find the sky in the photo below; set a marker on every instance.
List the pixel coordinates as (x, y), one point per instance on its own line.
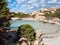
(28, 6)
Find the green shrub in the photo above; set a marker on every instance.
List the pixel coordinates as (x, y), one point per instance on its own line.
(26, 31)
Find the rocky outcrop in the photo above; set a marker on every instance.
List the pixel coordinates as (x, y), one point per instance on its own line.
(39, 40)
(22, 41)
(9, 38)
(51, 35)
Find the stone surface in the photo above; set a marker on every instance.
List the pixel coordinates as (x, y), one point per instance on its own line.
(38, 33)
(52, 41)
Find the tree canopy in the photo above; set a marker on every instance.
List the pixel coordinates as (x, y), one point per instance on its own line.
(55, 14)
(4, 19)
(3, 7)
(26, 31)
(20, 15)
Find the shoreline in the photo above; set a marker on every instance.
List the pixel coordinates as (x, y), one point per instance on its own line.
(36, 19)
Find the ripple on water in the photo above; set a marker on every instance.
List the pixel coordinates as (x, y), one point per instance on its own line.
(46, 27)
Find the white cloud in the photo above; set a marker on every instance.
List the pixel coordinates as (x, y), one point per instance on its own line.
(43, 5)
(52, 1)
(42, 1)
(19, 1)
(27, 7)
(32, 5)
(35, 4)
(31, 1)
(18, 5)
(13, 10)
(13, 3)
(58, 1)
(9, 0)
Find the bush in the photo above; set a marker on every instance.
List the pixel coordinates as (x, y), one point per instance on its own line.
(26, 31)
(4, 21)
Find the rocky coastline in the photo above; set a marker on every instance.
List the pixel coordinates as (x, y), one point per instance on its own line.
(54, 21)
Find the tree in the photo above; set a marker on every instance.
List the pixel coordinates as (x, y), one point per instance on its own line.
(57, 13)
(33, 16)
(5, 21)
(47, 15)
(52, 15)
(26, 31)
(3, 7)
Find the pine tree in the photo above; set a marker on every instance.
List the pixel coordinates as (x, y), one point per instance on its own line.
(3, 7)
(26, 31)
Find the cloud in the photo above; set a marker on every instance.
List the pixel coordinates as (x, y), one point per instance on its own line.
(9, 0)
(35, 4)
(42, 1)
(27, 7)
(13, 10)
(43, 5)
(24, 8)
(31, 5)
(58, 1)
(19, 1)
(31, 1)
(13, 3)
(52, 1)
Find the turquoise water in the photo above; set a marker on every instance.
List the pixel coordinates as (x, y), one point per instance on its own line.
(45, 27)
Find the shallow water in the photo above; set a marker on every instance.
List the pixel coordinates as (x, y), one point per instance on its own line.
(45, 27)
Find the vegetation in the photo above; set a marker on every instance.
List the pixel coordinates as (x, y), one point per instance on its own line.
(55, 14)
(4, 21)
(26, 31)
(33, 16)
(3, 8)
(20, 14)
(4, 15)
